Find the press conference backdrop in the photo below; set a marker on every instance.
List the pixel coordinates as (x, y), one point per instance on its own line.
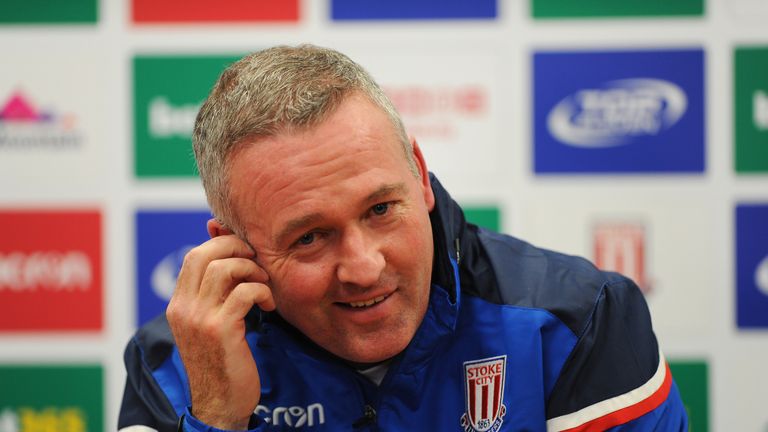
(634, 133)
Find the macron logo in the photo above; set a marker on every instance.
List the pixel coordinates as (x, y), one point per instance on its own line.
(619, 111)
(294, 416)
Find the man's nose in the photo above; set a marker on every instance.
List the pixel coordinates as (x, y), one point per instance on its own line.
(360, 259)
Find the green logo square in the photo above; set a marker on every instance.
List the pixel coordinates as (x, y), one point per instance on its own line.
(750, 81)
(168, 92)
(612, 8)
(692, 379)
(48, 12)
(485, 216)
(51, 398)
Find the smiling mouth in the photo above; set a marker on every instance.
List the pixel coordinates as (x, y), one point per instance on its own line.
(367, 303)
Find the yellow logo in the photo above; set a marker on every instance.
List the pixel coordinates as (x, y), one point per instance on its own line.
(51, 419)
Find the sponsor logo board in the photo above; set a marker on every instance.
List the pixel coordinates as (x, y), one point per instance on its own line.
(692, 379)
(50, 271)
(48, 12)
(51, 398)
(485, 216)
(221, 11)
(610, 8)
(51, 134)
(163, 238)
(622, 247)
(752, 12)
(640, 112)
(750, 80)
(449, 106)
(413, 9)
(168, 92)
(645, 234)
(752, 265)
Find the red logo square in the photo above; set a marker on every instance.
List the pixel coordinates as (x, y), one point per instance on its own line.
(195, 11)
(50, 270)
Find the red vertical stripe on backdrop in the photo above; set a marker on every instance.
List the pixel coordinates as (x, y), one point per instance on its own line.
(619, 262)
(485, 402)
(599, 250)
(640, 261)
(188, 11)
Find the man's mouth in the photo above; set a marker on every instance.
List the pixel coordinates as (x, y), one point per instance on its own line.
(367, 303)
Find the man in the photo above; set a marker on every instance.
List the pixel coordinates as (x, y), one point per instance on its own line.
(343, 290)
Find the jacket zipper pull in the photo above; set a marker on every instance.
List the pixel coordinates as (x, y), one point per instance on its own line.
(369, 417)
(457, 244)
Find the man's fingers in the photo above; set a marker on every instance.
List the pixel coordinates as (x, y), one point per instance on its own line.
(198, 258)
(244, 296)
(222, 275)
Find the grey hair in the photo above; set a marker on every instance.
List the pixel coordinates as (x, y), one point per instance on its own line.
(280, 89)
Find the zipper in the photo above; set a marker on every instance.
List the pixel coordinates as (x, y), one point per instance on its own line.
(368, 418)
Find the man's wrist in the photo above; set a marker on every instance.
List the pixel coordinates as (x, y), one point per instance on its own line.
(190, 423)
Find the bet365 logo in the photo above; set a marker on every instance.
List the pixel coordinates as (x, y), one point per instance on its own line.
(61, 398)
(751, 109)
(50, 419)
(168, 92)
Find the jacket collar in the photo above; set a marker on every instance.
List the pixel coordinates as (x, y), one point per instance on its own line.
(449, 232)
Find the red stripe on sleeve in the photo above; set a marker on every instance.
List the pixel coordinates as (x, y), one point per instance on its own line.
(631, 412)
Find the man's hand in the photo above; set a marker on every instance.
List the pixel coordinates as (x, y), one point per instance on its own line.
(218, 284)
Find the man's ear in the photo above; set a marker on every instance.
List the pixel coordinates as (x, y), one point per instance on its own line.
(421, 165)
(215, 228)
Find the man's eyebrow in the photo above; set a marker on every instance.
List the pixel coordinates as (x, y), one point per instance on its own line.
(386, 191)
(295, 225)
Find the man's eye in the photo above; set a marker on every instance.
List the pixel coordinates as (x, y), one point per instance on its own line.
(380, 209)
(306, 239)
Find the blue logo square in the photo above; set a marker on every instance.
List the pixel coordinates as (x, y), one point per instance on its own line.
(752, 265)
(342, 10)
(162, 240)
(619, 112)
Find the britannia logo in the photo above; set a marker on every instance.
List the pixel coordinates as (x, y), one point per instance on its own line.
(761, 276)
(484, 393)
(616, 113)
(165, 273)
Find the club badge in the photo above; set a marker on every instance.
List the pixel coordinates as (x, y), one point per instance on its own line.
(484, 393)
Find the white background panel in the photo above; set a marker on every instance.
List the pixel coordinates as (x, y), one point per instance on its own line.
(487, 160)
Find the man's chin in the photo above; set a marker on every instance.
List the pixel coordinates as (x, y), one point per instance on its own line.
(371, 353)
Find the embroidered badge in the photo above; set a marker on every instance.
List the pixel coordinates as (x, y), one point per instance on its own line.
(484, 393)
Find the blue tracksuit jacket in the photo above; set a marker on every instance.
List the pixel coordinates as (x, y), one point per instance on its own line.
(515, 338)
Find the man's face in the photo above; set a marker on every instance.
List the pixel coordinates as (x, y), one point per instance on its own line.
(341, 225)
